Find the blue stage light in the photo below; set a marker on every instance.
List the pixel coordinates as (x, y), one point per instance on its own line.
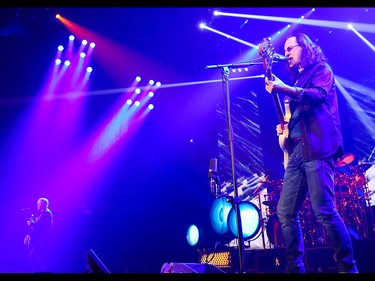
(250, 220)
(192, 235)
(219, 215)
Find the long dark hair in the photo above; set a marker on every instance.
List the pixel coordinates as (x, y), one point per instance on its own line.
(311, 52)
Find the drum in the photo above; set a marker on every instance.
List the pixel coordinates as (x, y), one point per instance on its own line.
(357, 179)
(250, 220)
(341, 179)
(274, 233)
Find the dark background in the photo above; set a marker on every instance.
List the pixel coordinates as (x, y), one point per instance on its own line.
(134, 208)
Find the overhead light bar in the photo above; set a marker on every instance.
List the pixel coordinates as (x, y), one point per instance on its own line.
(364, 27)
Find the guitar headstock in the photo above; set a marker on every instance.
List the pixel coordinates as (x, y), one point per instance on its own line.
(267, 52)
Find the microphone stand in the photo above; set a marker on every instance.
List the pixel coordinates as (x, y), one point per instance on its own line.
(225, 79)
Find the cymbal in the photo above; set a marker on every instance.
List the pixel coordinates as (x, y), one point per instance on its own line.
(345, 160)
(270, 203)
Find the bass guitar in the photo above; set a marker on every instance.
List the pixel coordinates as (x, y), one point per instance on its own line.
(266, 51)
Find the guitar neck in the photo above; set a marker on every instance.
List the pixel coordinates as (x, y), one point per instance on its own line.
(276, 100)
(279, 110)
(266, 51)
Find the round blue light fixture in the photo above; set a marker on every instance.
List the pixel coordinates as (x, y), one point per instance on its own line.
(219, 215)
(250, 220)
(192, 235)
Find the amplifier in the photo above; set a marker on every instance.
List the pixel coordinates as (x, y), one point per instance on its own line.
(320, 260)
(270, 261)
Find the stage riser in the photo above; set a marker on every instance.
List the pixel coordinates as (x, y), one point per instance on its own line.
(317, 259)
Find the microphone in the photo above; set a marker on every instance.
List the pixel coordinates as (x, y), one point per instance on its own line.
(212, 175)
(280, 58)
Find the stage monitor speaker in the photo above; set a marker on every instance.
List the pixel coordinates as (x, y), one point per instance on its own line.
(320, 260)
(176, 267)
(270, 261)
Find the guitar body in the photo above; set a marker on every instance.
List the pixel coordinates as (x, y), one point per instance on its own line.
(266, 50)
(284, 140)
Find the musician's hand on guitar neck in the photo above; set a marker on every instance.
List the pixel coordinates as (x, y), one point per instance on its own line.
(276, 85)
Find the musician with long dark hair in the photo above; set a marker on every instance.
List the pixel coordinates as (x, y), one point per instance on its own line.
(38, 238)
(315, 144)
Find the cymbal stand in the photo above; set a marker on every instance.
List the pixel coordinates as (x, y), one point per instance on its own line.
(261, 220)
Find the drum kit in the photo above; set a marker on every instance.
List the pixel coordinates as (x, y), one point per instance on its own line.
(353, 197)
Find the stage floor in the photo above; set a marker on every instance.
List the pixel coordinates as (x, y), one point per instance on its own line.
(318, 259)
